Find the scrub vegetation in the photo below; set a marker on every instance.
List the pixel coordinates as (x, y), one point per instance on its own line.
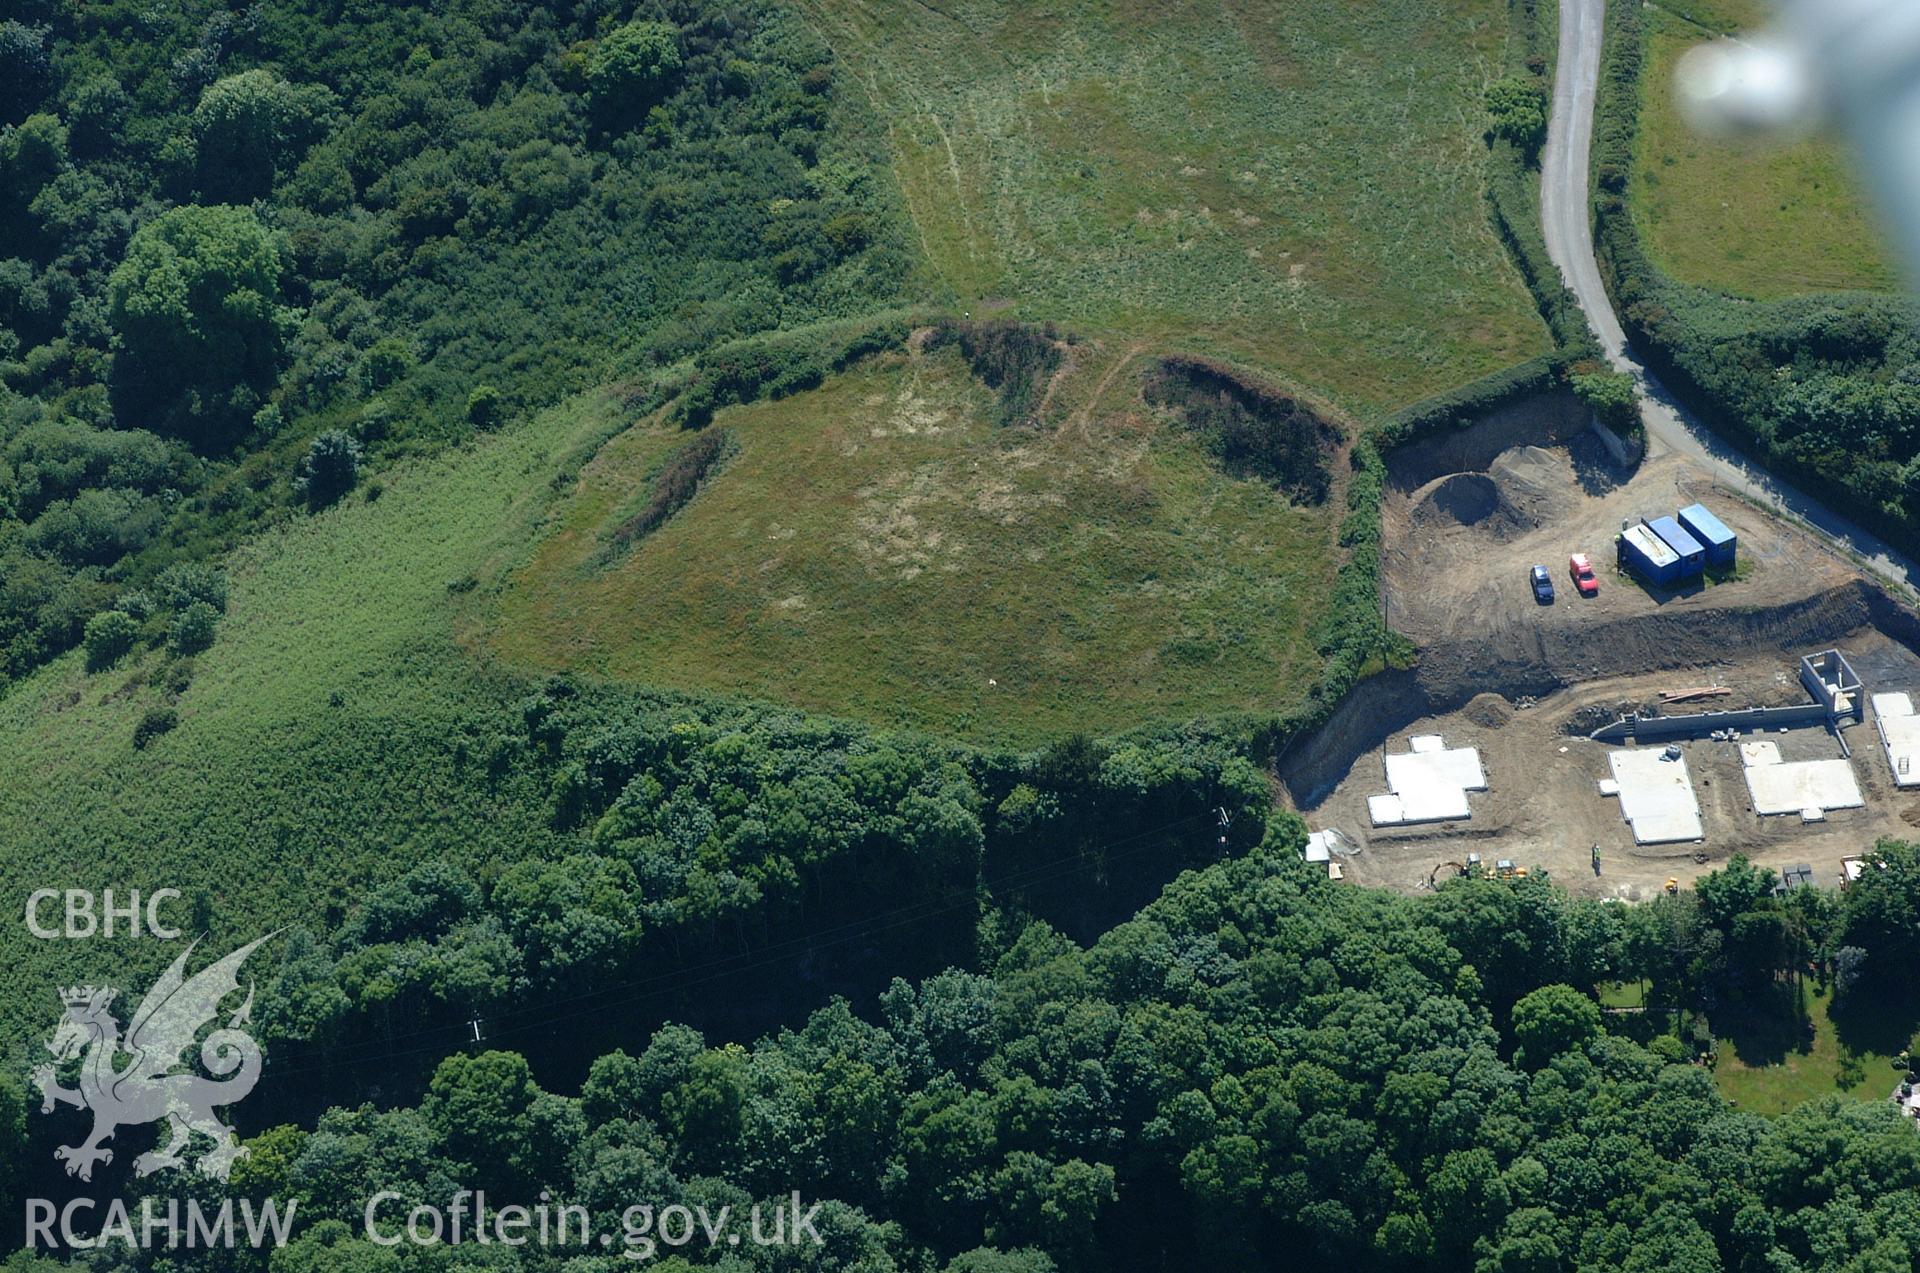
(755, 556)
(228, 233)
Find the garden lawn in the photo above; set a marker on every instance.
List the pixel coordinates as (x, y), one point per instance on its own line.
(1762, 1069)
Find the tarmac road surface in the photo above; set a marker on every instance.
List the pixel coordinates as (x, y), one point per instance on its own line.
(1670, 427)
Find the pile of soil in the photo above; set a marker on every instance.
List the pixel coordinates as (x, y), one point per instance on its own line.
(1526, 488)
(1458, 499)
(1489, 711)
(1536, 486)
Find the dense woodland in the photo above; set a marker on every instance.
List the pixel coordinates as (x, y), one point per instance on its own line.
(251, 251)
(1259, 1068)
(698, 854)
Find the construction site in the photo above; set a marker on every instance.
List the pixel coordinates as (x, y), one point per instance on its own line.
(1626, 741)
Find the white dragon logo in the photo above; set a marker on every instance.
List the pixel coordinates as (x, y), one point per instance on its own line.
(147, 1089)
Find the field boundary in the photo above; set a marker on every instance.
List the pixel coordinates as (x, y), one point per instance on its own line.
(1358, 640)
(1513, 197)
(1682, 331)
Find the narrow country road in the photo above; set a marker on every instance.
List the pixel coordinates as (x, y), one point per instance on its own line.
(1569, 233)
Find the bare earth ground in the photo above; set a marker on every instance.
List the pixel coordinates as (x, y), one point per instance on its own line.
(1466, 516)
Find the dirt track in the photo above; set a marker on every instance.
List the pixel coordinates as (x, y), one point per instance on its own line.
(1459, 544)
(1465, 516)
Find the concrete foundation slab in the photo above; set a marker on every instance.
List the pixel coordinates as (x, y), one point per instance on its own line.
(1900, 734)
(1428, 784)
(1385, 811)
(1798, 786)
(1656, 796)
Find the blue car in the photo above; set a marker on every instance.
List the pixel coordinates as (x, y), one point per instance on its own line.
(1542, 585)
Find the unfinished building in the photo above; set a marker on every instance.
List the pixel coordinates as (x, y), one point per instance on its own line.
(1656, 794)
(1827, 676)
(1899, 730)
(1427, 783)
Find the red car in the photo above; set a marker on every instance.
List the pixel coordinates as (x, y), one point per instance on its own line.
(1583, 577)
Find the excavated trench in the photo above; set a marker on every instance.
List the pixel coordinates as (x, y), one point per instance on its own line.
(1553, 419)
(1458, 500)
(1452, 674)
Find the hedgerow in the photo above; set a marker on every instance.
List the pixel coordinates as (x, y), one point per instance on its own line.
(1458, 408)
(1824, 388)
(1514, 198)
(773, 365)
(1513, 195)
(1016, 360)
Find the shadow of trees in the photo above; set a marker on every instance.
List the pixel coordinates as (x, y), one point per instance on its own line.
(1766, 1026)
(1594, 466)
(1873, 1018)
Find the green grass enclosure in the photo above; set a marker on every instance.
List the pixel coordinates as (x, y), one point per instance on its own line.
(1299, 187)
(1760, 219)
(878, 548)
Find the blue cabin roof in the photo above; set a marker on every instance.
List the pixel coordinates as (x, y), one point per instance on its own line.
(1676, 538)
(1651, 546)
(1705, 525)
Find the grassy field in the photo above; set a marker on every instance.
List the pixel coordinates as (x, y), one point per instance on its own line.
(1297, 186)
(1752, 220)
(1767, 1064)
(319, 747)
(878, 549)
(1794, 1047)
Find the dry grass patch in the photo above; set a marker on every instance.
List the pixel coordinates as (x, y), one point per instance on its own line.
(880, 548)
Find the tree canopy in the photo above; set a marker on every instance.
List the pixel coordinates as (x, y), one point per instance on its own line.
(1293, 1071)
(196, 305)
(631, 67)
(1518, 106)
(252, 127)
